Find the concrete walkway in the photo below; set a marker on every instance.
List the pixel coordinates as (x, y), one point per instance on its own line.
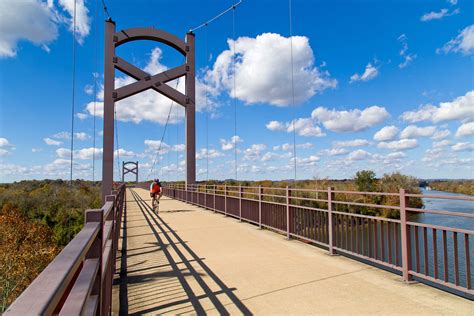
(188, 260)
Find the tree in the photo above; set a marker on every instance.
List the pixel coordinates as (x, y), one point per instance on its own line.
(365, 181)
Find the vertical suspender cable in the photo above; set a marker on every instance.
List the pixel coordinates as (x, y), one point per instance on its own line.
(234, 94)
(96, 48)
(292, 90)
(73, 89)
(117, 145)
(207, 109)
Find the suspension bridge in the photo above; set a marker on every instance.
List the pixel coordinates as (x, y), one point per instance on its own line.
(222, 249)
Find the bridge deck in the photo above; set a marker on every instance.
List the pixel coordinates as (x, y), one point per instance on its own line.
(190, 260)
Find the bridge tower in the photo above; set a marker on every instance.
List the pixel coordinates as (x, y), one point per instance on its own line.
(144, 82)
(133, 169)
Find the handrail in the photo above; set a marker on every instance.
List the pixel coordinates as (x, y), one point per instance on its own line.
(67, 286)
(400, 244)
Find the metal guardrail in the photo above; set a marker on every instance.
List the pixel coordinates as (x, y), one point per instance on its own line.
(79, 280)
(430, 253)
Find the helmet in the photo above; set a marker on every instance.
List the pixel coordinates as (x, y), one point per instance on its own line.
(157, 180)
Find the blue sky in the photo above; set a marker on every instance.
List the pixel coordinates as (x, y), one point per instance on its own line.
(381, 85)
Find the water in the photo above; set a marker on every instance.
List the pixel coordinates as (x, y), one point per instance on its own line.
(449, 221)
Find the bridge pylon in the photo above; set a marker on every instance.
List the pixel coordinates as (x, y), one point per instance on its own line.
(133, 169)
(144, 82)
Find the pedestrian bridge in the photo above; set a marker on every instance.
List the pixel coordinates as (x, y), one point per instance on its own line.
(249, 255)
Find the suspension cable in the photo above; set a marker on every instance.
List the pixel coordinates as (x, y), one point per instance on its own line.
(234, 94)
(117, 145)
(73, 100)
(292, 90)
(106, 10)
(216, 17)
(96, 48)
(207, 108)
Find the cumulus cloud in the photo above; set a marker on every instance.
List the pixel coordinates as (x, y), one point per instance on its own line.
(386, 133)
(263, 70)
(461, 108)
(350, 121)
(154, 145)
(358, 155)
(407, 57)
(62, 135)
(4, 142)
(52, 142)
(254, 152)
(82, 18)
(81, 136)
(230, 144)
(439, 135)
(370, 73)
(465, 129)
(333, 152)
(437, 15)
(442, 143)
(463, 147)
(463, 43)
(412, 131)
(275, 126)
(351, 143)
(203, 153)
(287, 146)
(302, 126)
(37, 22)
(81, 154)
(399, 144)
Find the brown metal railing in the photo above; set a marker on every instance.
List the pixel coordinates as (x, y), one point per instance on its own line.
(433, 254)
(79, 280)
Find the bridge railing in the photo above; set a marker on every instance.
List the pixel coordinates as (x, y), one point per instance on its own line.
(437, 255)
(79, 280)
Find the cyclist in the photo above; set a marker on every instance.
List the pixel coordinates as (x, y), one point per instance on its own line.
(156, 191)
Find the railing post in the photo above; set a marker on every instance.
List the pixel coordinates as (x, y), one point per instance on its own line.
(225, 199)
(205, 196)
(95, 252)
(214, 203)
(330, 221)
(240, 202)
(287, 212)
(260, 191)
(405, 236)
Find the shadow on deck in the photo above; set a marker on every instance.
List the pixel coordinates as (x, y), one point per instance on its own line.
(165, 275)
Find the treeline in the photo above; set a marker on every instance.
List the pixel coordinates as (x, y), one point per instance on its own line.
(37, 219)
(362, 181)
(455, 186)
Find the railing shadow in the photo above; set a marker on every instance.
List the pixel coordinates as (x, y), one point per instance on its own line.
(164, 299)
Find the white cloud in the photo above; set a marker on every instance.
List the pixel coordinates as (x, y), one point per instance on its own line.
(4, 142)
(82, 116)
(122, 153)
(275, 126)
(358, 155)
(463, 147)
(82, 18)
(386, 133)
(81, 154)
(441, 143)
(413, 131)
(439, 135)
(81, 136)
(29, 20)
(463, 43)
(433, 15)
(37, 22)
(370, 73)
(350, 121)
(351, 143)
(203, 153)
(304, 127)
(461, 108)
(89, 89)
(399, 144)
(465, 129)
(254, 152)
(62, 135)
(52, 142)
(36, 150)
(452, 2)
(306, 161)
(333, 151)
(407, 57)
(264, 76)
(229, 144)
(4, 152)
(287, 146)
